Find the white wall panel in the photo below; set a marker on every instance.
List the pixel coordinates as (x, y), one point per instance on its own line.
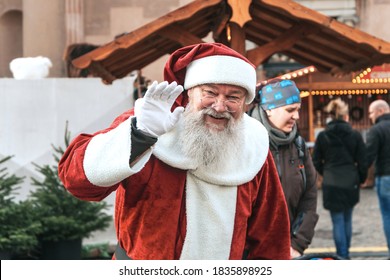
(33, 114)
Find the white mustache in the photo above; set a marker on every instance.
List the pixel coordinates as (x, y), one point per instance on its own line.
(213, 113)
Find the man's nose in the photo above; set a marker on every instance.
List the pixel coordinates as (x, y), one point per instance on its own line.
(219, 106)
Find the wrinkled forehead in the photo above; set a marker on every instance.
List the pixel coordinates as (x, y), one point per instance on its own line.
(224, 88)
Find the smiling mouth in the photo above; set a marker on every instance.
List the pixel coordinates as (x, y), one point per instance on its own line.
(217, 117)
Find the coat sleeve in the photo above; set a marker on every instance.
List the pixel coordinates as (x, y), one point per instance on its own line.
(94, 164)
(372, 145)
(269, 227)
(361, 158)
(318, 154)
(304, 223)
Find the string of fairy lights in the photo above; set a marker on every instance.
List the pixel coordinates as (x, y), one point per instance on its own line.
(359, 79)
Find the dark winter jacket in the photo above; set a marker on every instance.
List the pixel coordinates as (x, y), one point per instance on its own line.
(301, 199)
(341, 149)
(378, 148)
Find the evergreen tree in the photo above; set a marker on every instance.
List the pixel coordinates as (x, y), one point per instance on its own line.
(19, 224)
(63, 216)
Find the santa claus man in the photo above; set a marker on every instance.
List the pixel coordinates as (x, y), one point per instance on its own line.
(193, 175)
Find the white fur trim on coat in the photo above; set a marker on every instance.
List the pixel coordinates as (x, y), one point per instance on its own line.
(210, 211)
(106, 160)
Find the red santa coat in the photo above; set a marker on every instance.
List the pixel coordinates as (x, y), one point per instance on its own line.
(154, 211)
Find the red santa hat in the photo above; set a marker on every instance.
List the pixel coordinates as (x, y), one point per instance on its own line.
(210, 63)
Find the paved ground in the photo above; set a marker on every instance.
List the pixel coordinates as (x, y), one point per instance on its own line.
(368, 241)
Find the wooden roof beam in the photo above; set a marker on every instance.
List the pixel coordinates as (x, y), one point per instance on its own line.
(240, 11)
(107, 77)
(285, 41)
(351, 33)
(220, 27)
(361, 64)
(180, 35)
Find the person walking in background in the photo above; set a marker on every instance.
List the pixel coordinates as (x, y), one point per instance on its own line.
(140, 86)
(339, 155)
(193, 183)
(278, 110)
(378, 150)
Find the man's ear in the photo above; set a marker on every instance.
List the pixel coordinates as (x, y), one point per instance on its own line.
(190, 92)
(268, 113)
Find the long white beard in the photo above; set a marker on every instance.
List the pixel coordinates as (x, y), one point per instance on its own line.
(206, 146)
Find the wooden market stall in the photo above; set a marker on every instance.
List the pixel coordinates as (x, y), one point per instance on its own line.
(357, 89)
(273, 26)
(258, 29)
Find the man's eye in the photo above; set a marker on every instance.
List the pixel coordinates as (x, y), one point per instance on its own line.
(233, 98)
(208, 92)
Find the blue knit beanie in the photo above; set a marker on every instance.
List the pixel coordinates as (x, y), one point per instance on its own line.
(278, 93)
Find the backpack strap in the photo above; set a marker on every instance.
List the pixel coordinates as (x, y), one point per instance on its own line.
(300, 144)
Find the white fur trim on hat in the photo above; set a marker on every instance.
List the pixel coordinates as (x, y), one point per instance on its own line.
(222, 69)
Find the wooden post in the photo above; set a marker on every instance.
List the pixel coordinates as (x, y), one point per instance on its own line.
(236, 38)
(310, 111)
(139, 81)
